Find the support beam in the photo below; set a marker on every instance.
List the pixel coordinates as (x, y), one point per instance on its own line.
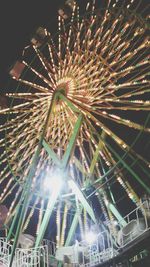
(116, 213)
(72, 229)
(72, 106)
(51, 153)
(23, 204)
(61, 164)
(127, 166)
(47, 215)
(25, 197)
(72, 141)
(82, 199)
(96, 153)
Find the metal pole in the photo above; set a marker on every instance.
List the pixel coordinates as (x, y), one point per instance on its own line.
(27, 190)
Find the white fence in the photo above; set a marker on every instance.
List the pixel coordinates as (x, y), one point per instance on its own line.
(33, 257)
(138, 222)
(101, 251)
(107, 246)
(51, 246)
(5, 250)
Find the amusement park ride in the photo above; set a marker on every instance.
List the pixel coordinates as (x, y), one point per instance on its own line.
(70, 137)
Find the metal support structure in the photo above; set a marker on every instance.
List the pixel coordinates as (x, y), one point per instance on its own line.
(71, 144)
(47, 215)
(23, 205)
(96, 154)
(82, 199)
(116, 213)
(24, 201)
(72, 228)
(92, 166)
(61, 164)
(140, 181)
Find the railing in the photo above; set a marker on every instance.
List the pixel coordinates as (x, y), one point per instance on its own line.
(23, 257)
(34, 257)
(5, 250)
(101, 251)
(138, 222)
(51, 246)
(107, 247)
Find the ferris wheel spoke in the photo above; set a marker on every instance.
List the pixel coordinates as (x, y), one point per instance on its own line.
(49, 83)
(45, 64)
(28, 96)
(123, 145)
(34, 86)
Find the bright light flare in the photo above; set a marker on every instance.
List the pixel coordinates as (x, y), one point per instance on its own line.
(90, 237)
(53, 181)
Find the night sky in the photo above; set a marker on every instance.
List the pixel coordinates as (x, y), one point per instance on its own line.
(18, 21)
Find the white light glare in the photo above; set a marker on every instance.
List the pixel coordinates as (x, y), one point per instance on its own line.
(115, 222)
(90, 237)
(53, 182)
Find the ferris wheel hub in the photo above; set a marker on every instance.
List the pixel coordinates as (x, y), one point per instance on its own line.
(66, 85)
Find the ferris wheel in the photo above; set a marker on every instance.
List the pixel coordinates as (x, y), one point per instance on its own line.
(70, 132)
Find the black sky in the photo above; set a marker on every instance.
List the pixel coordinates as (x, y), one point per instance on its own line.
(18, 20)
